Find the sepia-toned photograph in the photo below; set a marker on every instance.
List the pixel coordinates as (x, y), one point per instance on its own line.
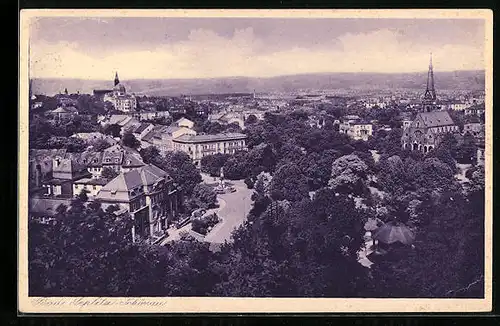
(255, 161)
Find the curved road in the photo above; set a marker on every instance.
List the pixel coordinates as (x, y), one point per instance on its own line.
(233, 213)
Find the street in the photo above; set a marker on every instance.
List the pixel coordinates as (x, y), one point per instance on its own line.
(233, 213)
(233, 209)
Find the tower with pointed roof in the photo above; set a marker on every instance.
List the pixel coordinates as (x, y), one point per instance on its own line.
(117, 81)
(429, 100)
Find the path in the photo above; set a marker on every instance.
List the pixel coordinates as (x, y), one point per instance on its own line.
(233, 210)
(233, 213)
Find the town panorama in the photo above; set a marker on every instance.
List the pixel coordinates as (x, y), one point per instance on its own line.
(341, 184)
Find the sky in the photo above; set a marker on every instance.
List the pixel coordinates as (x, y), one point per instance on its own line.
(157, 48)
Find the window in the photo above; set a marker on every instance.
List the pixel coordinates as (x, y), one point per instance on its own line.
(94, 187)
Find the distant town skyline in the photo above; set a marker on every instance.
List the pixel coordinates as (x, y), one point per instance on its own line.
(164, 48)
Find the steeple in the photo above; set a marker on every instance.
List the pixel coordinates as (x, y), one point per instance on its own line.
(66, 91)
(117, 81)
(429, 102)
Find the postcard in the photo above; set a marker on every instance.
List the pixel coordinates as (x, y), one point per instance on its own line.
(251, 161)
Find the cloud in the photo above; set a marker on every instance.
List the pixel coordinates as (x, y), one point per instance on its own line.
(205, 54)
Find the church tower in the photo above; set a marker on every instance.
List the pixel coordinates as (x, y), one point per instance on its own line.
(429, 101)
(117, 81)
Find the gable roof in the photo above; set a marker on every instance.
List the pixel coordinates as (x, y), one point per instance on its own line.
(118, 188)
(183, 120)
(119, 119)
(68, 109)
(435, 119)
(142, 127)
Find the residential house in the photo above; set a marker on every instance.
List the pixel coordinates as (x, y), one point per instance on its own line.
(64, 172)
(62, 113)
(40, 165)
(478, 110)
(225, 118)
(91, 185)
(198, 146)
(475, 129)
(126, 122)
(149, 195)
(356, 128)
(89, 136)
(143, 129)
(120, 159)
(183, 122)
(151, 115)
(456, 105)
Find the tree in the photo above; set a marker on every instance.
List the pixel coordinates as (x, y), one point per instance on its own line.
(181, 168)
(466, 150)
(251, 119)
(203, 196)
(113, 130)
(212, 164)
(299, 252)
(82, 196)
(109, 173)
(129, 140)
(100, 145)
(151, 155)
(348, 175)
(289, 183)
(236, 167)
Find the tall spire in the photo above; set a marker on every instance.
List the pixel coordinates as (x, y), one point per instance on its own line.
(429, 101)
(117, 81)
(430, 92)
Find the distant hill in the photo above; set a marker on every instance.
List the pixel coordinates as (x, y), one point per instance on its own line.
(457, 80)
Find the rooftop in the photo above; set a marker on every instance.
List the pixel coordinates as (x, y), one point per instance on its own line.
(118, 188)
(209, 138)
(92, 181)
(436, 118)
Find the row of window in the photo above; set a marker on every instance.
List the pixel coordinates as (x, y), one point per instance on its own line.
(94, 187)
(137, 204)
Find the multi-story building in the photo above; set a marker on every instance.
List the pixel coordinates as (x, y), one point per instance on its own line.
(92, 186)
(198, 146)
(119, 98)
(64, 172)
(149, 195)
(143, 129)
(427, 129)
(356, 128)
(477, 109)
(161, 137)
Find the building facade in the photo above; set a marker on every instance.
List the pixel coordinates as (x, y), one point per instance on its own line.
(428, 128)
(162, 136)
(149, 195)
(200, 146)
(119, 98)
(356, 128)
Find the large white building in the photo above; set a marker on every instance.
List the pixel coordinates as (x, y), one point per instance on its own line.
(356, 128)
(119, 98)
(198, 146)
